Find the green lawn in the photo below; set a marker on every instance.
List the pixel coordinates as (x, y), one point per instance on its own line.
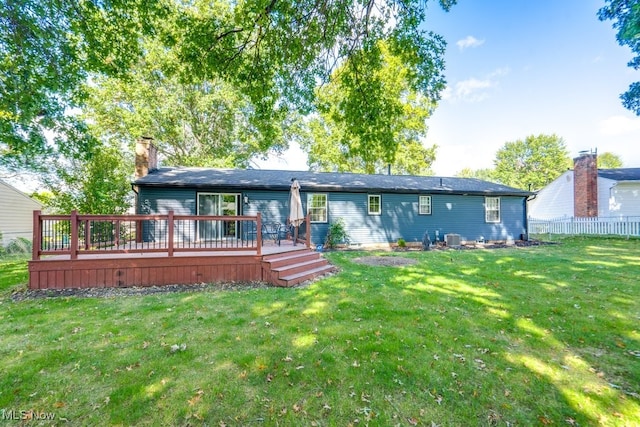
(546, 335)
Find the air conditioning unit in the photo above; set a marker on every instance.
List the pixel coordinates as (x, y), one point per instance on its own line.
(452, 240)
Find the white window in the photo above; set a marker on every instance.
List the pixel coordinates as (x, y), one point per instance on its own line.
(424, 205)
(317, 207)
(492, 209)
(374, 205)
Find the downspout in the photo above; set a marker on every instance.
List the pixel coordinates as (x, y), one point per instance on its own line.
(134, 188)
(526, 213)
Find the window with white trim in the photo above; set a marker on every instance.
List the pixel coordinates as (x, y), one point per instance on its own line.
(374, 204)
(424, 205)
(317, 207)
(492, 209)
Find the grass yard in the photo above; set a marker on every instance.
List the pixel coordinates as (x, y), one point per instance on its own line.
(546, 335)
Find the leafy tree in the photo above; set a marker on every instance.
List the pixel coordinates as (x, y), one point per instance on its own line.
(359, 133)
(483, 174)
(47, 50)
(97, 184)
(609, 161)
(206, 124)
(626, 17)
(531, 163)
(272, 52)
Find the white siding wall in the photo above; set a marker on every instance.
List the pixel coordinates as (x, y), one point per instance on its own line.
(623, 199)
(16, 213)
(555, 200)
(606, 198)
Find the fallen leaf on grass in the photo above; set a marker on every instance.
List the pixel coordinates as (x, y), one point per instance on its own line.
(544, 420)
(195, 399)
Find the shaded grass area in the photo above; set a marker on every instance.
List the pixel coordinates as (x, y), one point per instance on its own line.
(530, 336)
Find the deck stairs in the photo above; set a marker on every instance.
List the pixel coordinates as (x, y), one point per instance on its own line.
(294, 267)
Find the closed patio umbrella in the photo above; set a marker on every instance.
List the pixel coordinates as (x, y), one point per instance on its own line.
(296, 216)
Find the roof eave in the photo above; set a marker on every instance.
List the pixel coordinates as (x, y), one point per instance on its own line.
(310, 187)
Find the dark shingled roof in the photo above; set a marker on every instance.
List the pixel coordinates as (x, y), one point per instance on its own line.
(620, 174)
(262, 179)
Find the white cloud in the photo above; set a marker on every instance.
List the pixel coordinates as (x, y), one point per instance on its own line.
(619, 125)
(469, 41)
(475, 89)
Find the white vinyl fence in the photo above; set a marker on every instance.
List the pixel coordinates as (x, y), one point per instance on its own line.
(621, 226)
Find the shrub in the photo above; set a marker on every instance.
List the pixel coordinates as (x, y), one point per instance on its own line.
(19, 245)
(402, 243)
(337, 234)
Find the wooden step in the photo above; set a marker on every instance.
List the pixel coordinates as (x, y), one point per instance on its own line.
(289, 258)
(297, 278)
(289, 269)
(294, 267)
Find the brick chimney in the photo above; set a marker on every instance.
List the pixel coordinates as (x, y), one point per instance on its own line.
(146, 157)
(585, 185)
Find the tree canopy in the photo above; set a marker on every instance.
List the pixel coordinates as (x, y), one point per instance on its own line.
(368, 133)
(531, 163)
(205, 124)
(626, 17)
(271, 53)
(609, 161)
(47, 51)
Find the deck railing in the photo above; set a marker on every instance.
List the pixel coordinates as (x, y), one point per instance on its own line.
(83, 234)
(77, 234)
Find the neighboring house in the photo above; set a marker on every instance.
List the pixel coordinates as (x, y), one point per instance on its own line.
(587, 191)
(375, 208)
(16, 213)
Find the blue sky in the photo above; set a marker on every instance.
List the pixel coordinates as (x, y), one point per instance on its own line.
(517, 68)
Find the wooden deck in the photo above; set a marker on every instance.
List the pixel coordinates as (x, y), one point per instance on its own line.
(284, 265)
(97, 252)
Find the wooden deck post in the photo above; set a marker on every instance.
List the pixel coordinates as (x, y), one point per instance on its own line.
(36, 242)
(259, 233)
(170, 232)
(87, 235)
(74, 235)
(307, 221)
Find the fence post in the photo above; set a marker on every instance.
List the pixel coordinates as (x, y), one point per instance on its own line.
(36, 242)
(259, 233)
(73, 248)
(170, 232)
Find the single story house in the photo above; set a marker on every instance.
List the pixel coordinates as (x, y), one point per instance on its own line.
(16, 214)
(376, 209)
(587, 192)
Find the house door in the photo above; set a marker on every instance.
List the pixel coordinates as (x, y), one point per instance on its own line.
(218, 204)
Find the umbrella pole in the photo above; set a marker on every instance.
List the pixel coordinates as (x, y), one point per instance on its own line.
(295, 235)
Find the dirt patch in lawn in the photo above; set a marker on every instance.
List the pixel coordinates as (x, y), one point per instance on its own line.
(397, 261)
(385, 261)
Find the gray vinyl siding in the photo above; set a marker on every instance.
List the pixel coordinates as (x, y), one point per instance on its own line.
(460, 214)
(464, 215)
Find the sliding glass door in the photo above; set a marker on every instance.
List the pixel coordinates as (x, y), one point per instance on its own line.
(218, 204)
